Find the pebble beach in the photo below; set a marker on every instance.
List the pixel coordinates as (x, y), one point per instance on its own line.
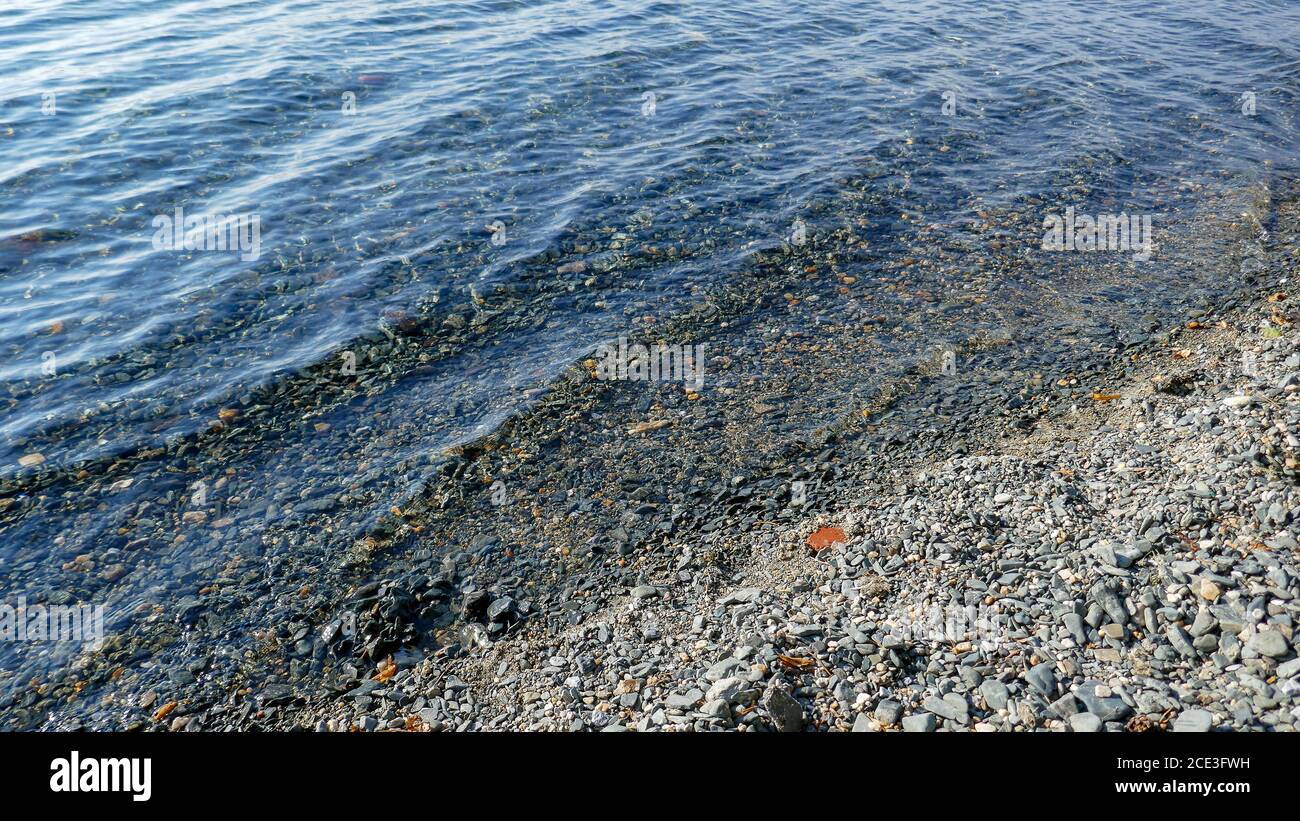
(1113, 552)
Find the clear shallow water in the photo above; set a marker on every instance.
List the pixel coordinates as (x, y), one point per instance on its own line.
(531, 114)
(535, 115)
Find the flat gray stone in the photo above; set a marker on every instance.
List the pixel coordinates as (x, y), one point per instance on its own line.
(726, 689)
(1193, 721)
(805, 630)
(995, 694)
(919, 723)
(1065, 706)
(1085, 723)
(786, 712)
(892, 642)
(1104, 707)
(1269, 643)
(1204, 623)
(678, 701)
(742, 596)
(1180, 641)
(951, 707)
(1074, 623)
(724, 669)
(888, 711)
(1042, 678)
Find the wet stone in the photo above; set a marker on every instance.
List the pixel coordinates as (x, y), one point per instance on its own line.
(501, 609)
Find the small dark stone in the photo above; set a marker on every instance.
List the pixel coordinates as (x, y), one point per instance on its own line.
(275, 694)
(502, 609)
(474, 604)
(188, 610)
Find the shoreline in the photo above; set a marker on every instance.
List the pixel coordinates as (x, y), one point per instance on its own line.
(615, 531)
(752, 630)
